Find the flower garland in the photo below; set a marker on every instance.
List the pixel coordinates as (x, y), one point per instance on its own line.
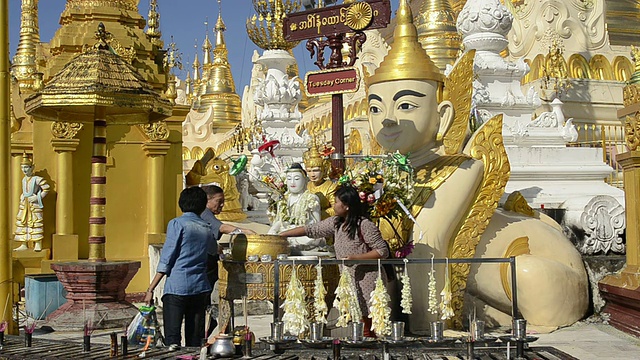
(379, 310)
(346, 300)
(295, 311)
(406, 300)
(433, 291)
(445, 305)
(299, 212)
(320, 309)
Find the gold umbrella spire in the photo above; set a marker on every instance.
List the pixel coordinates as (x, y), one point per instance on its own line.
(24, 61)
(153, 22)
(265, 28)
(437, 32)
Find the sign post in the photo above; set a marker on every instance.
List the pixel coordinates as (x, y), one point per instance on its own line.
(337, 76)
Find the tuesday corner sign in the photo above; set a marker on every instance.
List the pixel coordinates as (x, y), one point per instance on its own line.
(332, 81)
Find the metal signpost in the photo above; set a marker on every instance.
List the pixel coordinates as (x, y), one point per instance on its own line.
(332, 27)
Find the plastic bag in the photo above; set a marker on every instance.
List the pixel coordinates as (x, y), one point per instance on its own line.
(143, 326)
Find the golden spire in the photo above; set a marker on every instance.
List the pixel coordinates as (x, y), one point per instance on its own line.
(220, 89)
(206, 49)
(406, 60)
(24, 61)
(153, 22)
(265, 28)
(437, 32)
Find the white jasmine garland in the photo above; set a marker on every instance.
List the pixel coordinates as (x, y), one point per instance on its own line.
(445, 305)
(433, 292)
(406, 300)
(295, 311)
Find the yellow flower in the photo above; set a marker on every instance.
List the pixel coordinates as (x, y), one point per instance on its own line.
(372, 180)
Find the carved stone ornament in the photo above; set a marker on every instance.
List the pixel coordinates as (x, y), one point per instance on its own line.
(65, 130)
(632, 131)
(157, 131)
(603, 220)
(485, 24)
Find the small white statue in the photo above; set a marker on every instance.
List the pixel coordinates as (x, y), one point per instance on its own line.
(300, 207)
(29, 223)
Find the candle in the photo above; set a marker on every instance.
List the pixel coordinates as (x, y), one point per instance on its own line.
(244, 311)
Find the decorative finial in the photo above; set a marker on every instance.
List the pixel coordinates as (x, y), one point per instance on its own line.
(153, 21)
(406, 60)
(266, 28)
(172, 58)
(26, 160)
(103, 37)
(24, 61)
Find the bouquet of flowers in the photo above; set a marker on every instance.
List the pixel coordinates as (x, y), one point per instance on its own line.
(385, 185)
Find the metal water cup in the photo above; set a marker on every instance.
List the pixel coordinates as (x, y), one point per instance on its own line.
(357, 331)
(478, 330)
(317, 329)
(397, 330)
(277, 330)
(520, 328)
(437, 330)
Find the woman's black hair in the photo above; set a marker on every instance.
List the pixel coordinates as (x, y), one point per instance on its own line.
(348, 195)
(193, 199)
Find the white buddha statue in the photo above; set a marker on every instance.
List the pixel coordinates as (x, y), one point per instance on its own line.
(300, 207)
(457, 193)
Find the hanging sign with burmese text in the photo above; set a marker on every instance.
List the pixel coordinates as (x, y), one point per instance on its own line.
(338, 19)
(332, 81)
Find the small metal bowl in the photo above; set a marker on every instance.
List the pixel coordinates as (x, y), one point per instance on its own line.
(282, 256)
(265, 258)
(253, 258)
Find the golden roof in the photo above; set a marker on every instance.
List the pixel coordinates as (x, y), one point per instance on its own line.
(98, 77)
(406, 60)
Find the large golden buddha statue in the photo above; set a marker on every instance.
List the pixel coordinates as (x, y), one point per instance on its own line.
(415, 110)
(317, 170)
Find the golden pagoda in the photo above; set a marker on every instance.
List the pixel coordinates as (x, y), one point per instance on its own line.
(24, 62)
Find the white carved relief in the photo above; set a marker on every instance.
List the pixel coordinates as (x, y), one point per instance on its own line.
(196, 126)
(604, 222)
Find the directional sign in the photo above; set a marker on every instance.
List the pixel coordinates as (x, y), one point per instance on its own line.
(339, 19)
(332, 81)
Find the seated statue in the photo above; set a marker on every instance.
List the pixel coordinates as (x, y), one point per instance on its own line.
(299, 207)
(319, 184)
(456, 197)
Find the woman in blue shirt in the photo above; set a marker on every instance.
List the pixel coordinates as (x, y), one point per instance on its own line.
(184, 262)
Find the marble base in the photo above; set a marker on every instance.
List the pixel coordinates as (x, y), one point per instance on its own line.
(94, 291)
(622, 294)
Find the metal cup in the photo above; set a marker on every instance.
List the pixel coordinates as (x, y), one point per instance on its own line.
(397, 330)
(437, 330)
(520, 328)
(277, 330)
(317, 329)
(357, 331)
(477, 330)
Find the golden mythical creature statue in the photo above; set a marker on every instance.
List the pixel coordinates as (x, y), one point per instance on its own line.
(317, 169)
(211, 170)
(460, 178)
(29, 222)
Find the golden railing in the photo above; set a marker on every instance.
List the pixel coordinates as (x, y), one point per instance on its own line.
(611, 139)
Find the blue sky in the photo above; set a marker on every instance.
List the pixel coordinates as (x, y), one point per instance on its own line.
(184, 19)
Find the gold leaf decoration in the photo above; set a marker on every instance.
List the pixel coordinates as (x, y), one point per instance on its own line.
(486, 145)
(65, 130)
(359, 16)
(157, 131)
(458, 88)
(519, 246)
(632, 131)
(517, 203)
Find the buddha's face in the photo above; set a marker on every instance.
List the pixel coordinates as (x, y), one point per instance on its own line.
(315, 174)
(296, 182)
(404, 114)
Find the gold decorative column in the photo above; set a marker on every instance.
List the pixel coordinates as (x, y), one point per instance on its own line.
(156, 149)
(24, 62)
(622, 290)
(98, 200)
(64, 143)
(6, 278)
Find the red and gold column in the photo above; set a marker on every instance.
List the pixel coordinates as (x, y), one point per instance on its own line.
(98, 200)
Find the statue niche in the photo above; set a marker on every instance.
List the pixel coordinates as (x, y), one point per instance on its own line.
(458, 185)
(30, 221)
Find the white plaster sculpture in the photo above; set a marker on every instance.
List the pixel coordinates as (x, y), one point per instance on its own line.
(300, 207)
(29, 222)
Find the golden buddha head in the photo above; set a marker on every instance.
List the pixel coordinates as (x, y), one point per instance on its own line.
(315, 165)
(403, 93)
